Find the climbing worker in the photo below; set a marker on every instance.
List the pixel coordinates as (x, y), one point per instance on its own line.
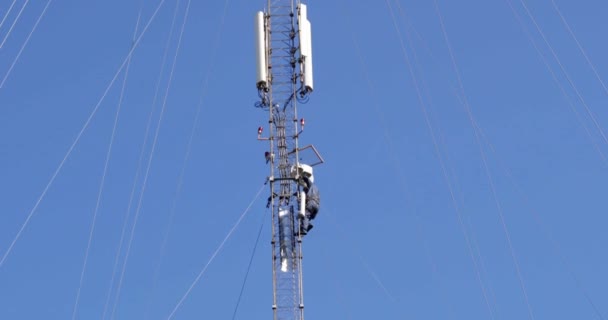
(312, 203)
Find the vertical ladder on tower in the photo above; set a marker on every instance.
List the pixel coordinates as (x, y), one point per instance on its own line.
(281, 32)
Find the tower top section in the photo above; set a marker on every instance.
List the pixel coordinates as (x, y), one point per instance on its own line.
(267, 36)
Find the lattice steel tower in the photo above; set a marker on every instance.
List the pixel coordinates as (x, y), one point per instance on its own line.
(284, 79)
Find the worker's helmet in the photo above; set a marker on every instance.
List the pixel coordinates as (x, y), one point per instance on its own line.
(302, 170)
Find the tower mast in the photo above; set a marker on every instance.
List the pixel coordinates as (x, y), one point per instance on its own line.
(284, 78)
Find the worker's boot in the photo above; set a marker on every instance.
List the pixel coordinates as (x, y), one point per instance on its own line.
(304, 226)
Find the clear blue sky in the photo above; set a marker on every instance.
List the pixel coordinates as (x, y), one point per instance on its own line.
(389, 242)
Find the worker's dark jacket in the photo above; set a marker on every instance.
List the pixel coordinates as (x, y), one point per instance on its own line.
(313, 199)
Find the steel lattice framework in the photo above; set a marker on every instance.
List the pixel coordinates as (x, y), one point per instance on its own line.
(279, 96)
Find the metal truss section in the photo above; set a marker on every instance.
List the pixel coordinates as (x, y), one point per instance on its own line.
(281, 50)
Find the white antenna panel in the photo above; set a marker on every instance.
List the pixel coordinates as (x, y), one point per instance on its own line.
(260, 51)
(306, 48)
(307, 58)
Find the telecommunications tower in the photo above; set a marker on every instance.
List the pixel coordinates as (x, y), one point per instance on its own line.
(284, 79)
